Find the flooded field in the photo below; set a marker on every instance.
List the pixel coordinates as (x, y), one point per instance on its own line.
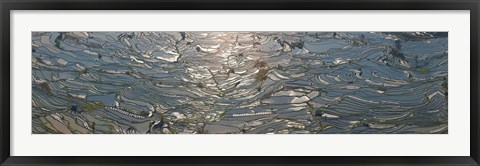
(240, 82)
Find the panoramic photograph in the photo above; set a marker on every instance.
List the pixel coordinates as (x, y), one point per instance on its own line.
(239, 82)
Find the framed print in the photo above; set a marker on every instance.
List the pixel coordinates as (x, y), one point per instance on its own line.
(240, 83)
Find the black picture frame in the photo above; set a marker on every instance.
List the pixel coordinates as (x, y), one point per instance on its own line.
(8, 5)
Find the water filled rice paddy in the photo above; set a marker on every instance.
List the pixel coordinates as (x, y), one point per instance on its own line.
(240, 82)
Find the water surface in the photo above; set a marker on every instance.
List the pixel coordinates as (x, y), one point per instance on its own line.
(240, 82)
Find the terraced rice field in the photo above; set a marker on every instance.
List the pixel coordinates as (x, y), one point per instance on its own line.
(240, 82)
